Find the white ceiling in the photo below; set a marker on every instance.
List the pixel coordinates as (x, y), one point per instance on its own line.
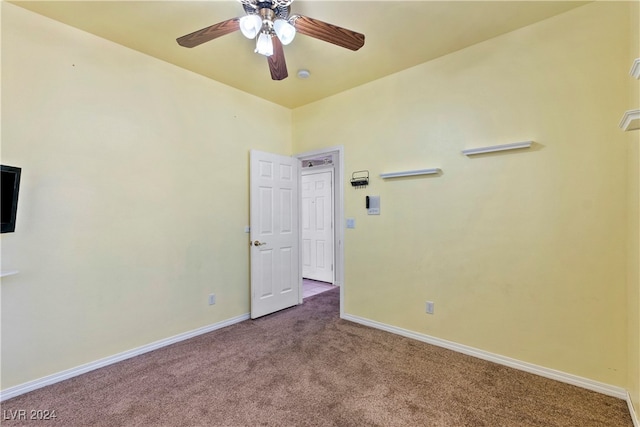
(399, 35)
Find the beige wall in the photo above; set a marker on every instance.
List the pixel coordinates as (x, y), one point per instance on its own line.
(523, 253)
(133, 199)
(633, 144)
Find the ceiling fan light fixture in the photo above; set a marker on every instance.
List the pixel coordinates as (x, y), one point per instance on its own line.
(264, 45)
(272, 26)
(284, 30)
(250, 25)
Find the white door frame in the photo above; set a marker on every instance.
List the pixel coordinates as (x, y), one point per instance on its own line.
(338, 214)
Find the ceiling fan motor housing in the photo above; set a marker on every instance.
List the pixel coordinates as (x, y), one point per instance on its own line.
(279, 11)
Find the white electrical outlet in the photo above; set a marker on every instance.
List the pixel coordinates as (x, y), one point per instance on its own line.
(430, 307)
(212, 299)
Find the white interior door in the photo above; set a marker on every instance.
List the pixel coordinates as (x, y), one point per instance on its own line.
(275, 235)
(317, 225)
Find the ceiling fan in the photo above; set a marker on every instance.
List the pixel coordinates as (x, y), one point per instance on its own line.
(271, 24)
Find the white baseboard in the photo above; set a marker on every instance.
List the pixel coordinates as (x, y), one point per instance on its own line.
(79, 370)
(553, 374)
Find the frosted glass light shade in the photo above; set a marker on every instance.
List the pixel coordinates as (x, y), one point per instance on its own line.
(264, 45)
(250, 25)
(285, 31)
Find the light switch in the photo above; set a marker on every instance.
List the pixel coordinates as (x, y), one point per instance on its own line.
(351, 223)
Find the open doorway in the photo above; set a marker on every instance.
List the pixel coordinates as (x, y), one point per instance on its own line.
(322, 218)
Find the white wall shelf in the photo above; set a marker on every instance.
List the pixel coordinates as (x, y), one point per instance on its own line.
(495, 148)
(5, 273)
(635, 69)
(432, 171)
(630, 120)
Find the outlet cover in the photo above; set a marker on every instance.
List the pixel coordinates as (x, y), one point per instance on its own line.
(429, 307)
(212, 299)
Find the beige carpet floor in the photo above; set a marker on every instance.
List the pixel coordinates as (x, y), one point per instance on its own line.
(306, 367)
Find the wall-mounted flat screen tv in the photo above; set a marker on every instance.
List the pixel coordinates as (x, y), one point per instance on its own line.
(10, 185)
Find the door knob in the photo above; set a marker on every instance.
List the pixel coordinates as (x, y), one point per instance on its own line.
(258, 243)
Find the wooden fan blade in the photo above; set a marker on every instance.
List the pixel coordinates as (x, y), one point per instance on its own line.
(212, 32)
(277, 64)
(328, 32)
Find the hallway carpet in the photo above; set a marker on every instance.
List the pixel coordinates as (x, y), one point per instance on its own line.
(306, 367)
